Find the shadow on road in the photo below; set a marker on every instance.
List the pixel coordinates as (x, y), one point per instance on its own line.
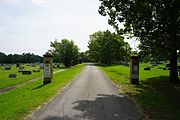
(57, 118)
(104, 107)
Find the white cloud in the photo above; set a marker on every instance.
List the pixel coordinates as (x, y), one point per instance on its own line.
(13, 1)
(40, 2)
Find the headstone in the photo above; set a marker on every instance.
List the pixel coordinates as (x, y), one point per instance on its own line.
(17, 64)
(154, 64)
(41, 65)
(12, 75)
(147, 68)
(58, 65)
(21, 67)
(20, 70)
(164, 68)
(167, 65)
(26, 72)
(33, 65)
(7, 68)
(36, 70)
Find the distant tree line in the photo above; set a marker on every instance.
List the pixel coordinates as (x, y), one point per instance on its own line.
(20, 58)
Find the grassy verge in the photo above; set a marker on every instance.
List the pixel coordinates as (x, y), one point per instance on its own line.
(5, 81)
(16, 104)
(158, 99)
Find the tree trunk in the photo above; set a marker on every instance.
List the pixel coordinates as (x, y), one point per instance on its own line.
(173, 14)
(173, 67)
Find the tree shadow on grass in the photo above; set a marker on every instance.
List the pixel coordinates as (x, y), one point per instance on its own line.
(39, 86)
(159, 98)
(104, 107)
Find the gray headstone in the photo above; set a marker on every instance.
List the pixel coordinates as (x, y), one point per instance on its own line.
(12, 75)
(41, 65)
(17, 64)
(21, 67)
(26, 72)
(33, 65)
(36, 70)
(7, 68)
(164, 68)
(147, 68)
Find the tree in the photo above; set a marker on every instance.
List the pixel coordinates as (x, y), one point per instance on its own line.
(84, 57)
(2, 57)
(155, 22)
(108, 48)
(65, 51)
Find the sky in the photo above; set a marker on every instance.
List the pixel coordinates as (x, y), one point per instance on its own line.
(30, 25)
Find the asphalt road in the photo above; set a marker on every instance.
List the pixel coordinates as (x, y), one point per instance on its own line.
(92, 96)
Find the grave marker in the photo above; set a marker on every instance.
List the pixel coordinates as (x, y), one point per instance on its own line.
(12, 75)
(36, 70)
(147, 68)
(26, 72)
(7, 68)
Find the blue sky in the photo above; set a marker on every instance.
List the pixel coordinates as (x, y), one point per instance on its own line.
(30, 25)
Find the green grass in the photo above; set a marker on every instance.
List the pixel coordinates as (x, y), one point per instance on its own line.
(5, 81)
(158, 99)
(17, 104)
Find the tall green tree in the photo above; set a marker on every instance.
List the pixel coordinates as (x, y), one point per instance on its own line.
(65, 51)
(108, 48)
(155, 22)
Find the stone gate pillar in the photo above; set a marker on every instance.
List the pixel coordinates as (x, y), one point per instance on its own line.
(134, 70)
(48, 68)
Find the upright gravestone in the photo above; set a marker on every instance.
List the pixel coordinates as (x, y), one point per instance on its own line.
(7, 68)
(41, 65)
(17, 64)
(48, 68)
(134, 70)
(12, 75)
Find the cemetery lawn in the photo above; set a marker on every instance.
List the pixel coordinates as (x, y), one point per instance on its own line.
(18, 103)
(158, 99)
(5, 81)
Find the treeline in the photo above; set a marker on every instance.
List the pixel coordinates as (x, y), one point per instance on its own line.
(20, 58)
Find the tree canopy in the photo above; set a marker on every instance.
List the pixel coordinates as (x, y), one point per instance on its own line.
(65, 51)
(155, 22)
(108, 48)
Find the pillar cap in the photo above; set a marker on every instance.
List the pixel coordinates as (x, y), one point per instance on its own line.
(47, 54)
(136, 57)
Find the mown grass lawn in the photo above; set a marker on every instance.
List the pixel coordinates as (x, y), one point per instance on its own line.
(5, 81)
(18, 103)
(158, 99)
